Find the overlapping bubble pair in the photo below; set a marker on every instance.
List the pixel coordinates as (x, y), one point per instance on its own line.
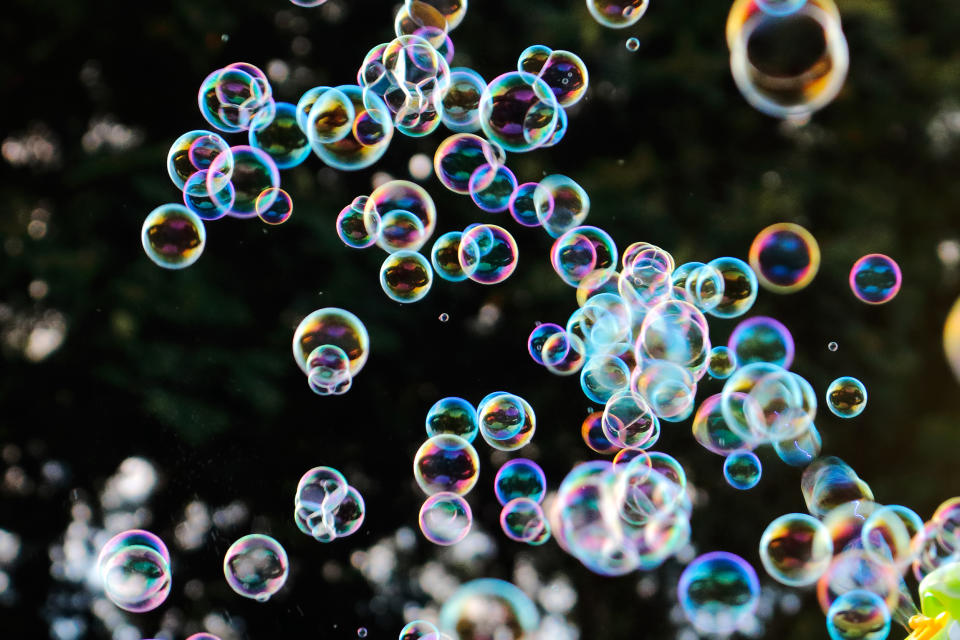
(134, 569)
(520, 487)
(330, 346)
(326, 507)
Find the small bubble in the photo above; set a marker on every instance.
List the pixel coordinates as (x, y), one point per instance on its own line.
(444, 317)
(224, 37)
(362, 632)
(833, 346)
(632, 44)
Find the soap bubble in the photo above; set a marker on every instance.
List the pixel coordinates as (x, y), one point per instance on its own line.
(352, 225)
(400, 229)
(489, 608)
(800, 450)
(500, 416)
(194, 151)
(633, 44)
(445, 519)
(461, 102)
(455, 416)
(197, 197)
(628, 421)
(858, 615)
(762, 339)
(406, 276)
(419, 630)
(602, 376)
(328, 370)
(523, 205)
(592, 432)
(459, 156)
(519, 439)
(236, 98)
(282, 138)
(721, 362)
(796, 549)
(846, 397)
(560, 204)
(855, 569)
(371, 131)
(491, 187)
(538, 338)
(330, 115)
(617, 14)
(718, 591)
(742, 470)
(523, 520)
(134, 568)
(875, 278)
(274, 206)
(253, 173)
(518, 111)
(785, 257)
(739, 287)
(563, 71)
(256, 566)
(829, 482)
(520, 478)
(446, 463)
(711, 429)
(406, 196)
(488, 253)
(445, 257)
(338, 327)
(173, 236)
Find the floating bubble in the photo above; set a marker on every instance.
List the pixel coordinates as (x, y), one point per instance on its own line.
(846, 397)
(518, 111)
(459, 156)
(888, 535)
(198, 199)
(348, 515)
(563, 353)
(194, 151)
(592, 433)
(445, 519)
(134, 568)
(602, 376)
(173, 236)
(711, 430)
(667, 387)
(538, 338)
(371, 131)
(489, 608)
(400, 229)
(455, 416)
(319, 492)
(492, 187)
(520, 478)
(947, 519)
(742, 470)
(722, 362)
(446, 463)
(787, 65)
(628, 421)
(253, 173)
(875, 278)
(328, 370)
(855, 570)
(334, 326)
(488, 253)
(858, 615)
(256, 567)
(419, 630)
(523, 520)
(796, 549)
(274, 206)
(461, 102)
(500, 416)
(762, 339)
(617, 14)
(563, 71)
(739, 288)
(282, 138)
(352, 225)
(445, 257)
(785, 257)
(330, 115)
(406, 276)
(829, 482)
(520, 438)
(443, 317)
(633, 44)
(800, 450)
(718, 592)
(762, 402)
(406, 196)
(523, 206)
(236, 98)
(561, 204)
(832, 346)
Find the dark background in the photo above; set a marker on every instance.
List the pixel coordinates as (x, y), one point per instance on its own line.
(192, 370)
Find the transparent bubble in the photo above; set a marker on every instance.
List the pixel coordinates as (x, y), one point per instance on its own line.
(785, 257)
(461, 102)
(800, 450)
(333, 326)
(523, 206)
(194, 151)
(780, 7)
(348, 515)
(488, 253)
(518, 111)
(563, 71)
(742, 470)
(455, 416)
(591, 430)
(888, 535)
(256, 566)
(134, 568)
(446, 463)
(328, 370)
(352, 225)
(520, 438)
(522, 520)
(711, 430)
(406, 196)
(875, 278)
(739, 287)
(282, 138)
(846, 397)
(667, 387)
(173, 236)
(947, 519)
(419, 630)
(633, 44)
(274, 206)
(330, 115)
(560, 204)
(400, 229)
(371, 131)
(617, 14)
(855, 569)
(459, 156)
(443, 317)
(491, 187)
(445, 257)
(859, 615)
(718, 592)
(762, 339)
(489, 608)
(253, 173)
(628, 422)
(236, 98)
(833, 346)
(538, 337)
(520, 478)
(603, 376)
(319, 492)
(787, 65)
(796, 549)
(500, 416)
(829, 482)
(445, 518)
(406, 276)
(722, 362)
(207, 206)
(203, 636)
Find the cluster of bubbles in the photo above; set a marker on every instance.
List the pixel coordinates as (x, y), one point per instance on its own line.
(520, 487)
(134, 569)
(330, 346)
(256, 566)
(326, 507)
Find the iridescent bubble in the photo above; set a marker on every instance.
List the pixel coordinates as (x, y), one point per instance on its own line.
(282, 138)
(518, 111)
(274, 206)
(829, 482)
(307, 4)
(236, 97)
(538, 338)
(328, 370)
(406, 276)
(443, 317)
(523, 206)
(739, 288)
(628, 421)
(668, 388)
(253, 172)
(858, 615)
(875, 278)
(489, 608)
(334, 326)
(134, 568)
(455, 416)
(762, 339)
(319, 492)
(523, 520)
(573, 257)
(194, 151)
(400, 195)
(785, 257)
(500, 416)
(853, 570)
(780, 7)
(718, 592)
(400, 229)
(371, 131)
(256, 566)
(742, 470)
(721, 362)
(488, 253)
(796, 549)
(173, 236)
(445, 257)
(602, 376)
(352, 225)
(787, 65)
(711, 430)
(348, 515)
(330, 115)
(419, 630)
(459, 156)
(947, 519)
(833, 346)
(520, 438)
(416, 16)
(446, 463)
(563, 353)
(453, 11)
(592, 433)
(520, 478)
(800, 450)
(617, 14)
(561, 204)
(461, 102)
(563, 71)
(492, 187)
(846, 397)
(888, 535)
(445, 519)
(198, 199)
(633, 44)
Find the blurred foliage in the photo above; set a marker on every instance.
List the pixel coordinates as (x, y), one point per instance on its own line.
(193, 369)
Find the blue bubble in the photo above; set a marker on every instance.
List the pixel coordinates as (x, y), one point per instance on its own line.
(742, 470)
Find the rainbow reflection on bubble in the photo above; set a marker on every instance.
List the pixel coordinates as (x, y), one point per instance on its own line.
(446, 463)
(875, 278)
(785, 257)
(718, 592)
(256, 567)
(134, 568)
(445, 519)
(173, 236)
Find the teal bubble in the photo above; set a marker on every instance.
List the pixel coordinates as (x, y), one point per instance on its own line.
(369, 135)
(488, 253)
(521, 437)
(721, 362)
(740, 287)
(800, 450)
(796, 549)
(197, 197)
(742, 470)
(173, 237)
(858, 615)
(522, 204)
(846, 397)
(492, 187)
(400, 229)
(461, 102)
(561, 204)
(518, 111)
(718, 592)
(459, 156)
(520, 478)
(254, 171)
(633, 44)
(500, 416)
(762, 339)
(134, 568)
(352, 225)
(195, 151)
(454, 416)
(406, 276)
(444, 256)
(602, 376)
(282, 138)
